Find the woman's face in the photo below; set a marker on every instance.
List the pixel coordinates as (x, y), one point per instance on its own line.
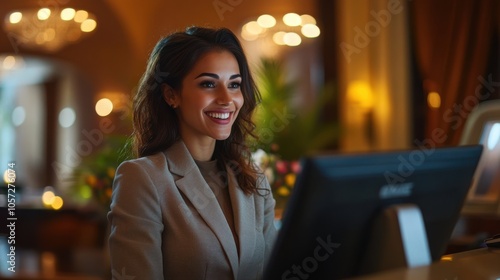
(210, 98)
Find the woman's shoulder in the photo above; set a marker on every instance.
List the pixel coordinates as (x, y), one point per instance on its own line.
(147, 163)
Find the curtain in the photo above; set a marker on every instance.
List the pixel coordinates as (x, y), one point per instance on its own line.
(452, 42)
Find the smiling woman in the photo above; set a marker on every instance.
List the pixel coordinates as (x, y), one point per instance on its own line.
(208, 102)
(192, 205)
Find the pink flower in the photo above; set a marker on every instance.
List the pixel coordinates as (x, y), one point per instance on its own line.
(295, 167)
(281, 167)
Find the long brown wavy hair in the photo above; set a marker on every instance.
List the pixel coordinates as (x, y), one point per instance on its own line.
(156, 126)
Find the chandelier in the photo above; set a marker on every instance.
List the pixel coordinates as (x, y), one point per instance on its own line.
(291, 30)
(47, 29)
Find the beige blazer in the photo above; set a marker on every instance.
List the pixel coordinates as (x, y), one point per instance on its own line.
(167, 224)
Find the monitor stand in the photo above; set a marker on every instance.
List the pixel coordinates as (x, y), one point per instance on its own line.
(398, 239)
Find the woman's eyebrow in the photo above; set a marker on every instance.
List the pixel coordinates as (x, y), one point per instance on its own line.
(215, 76)
(212, 75)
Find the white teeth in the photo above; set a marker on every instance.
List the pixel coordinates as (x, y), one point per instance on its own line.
(221, 116)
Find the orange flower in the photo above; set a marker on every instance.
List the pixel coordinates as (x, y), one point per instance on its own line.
(92, 180)
(111, 172)
(108, 192)
(290, 179)
(283, 191)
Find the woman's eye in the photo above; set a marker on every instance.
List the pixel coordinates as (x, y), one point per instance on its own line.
(207, 84)
(234, 85)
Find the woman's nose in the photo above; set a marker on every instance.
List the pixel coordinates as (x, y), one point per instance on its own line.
(224, 97)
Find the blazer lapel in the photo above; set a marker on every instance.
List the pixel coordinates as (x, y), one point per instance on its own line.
(194, 187)
(244, 218)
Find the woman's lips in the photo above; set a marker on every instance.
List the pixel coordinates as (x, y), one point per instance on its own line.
(220, 117)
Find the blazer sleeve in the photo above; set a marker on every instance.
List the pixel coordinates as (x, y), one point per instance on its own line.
(136, 224)
(269, 218)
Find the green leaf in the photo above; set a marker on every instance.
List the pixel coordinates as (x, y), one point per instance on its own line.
(309, 130)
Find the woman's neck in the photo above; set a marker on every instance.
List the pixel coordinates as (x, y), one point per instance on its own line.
(200, 150)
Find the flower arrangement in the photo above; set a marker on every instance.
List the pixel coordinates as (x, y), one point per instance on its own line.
(96, 186)
(280, 173)
(93, 179)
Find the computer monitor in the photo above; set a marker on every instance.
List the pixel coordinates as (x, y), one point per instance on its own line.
(335, 222)
(483, 127)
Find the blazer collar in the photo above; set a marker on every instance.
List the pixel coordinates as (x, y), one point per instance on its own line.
(179, 159)
(194, 187)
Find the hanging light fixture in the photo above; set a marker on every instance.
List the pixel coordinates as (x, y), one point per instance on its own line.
(291, 30)
(48, 29)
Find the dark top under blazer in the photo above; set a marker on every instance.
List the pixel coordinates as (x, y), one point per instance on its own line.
(167, 224)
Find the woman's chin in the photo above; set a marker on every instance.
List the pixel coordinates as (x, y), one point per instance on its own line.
(222, 136)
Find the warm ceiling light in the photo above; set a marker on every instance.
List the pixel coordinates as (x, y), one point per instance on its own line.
(292, 19)
(310, 30)
(104, 107)
(15, 17)
(43, 14)
(48, 32)
(278, 38)
(248, 36)
(81, 16)
(266, 21)
(292, 39)
(286, 32)
(68, 14)
(88, 25)
(253, 28)
(307, 19)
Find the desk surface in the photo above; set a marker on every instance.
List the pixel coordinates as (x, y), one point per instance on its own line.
(476, 264)
(79, 264)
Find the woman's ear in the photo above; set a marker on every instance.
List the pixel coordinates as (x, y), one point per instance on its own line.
(169, 95)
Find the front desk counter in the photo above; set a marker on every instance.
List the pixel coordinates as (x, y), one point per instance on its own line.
(476, 264)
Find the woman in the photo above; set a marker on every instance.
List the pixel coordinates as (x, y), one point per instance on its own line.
(192, 205)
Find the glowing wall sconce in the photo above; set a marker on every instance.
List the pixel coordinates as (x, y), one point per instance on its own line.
(359, 92)
(360, 95)
(434, 100)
